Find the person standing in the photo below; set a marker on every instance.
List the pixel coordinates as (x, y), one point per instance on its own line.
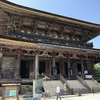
(58, 92)
(92, 91)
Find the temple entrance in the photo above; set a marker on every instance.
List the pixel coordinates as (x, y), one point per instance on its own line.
(24, 69)
(79, 69)
(41, 67)
(66, 69)
(58, 67)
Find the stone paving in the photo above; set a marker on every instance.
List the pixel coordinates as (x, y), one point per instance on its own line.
(90, 96)
(95, 96)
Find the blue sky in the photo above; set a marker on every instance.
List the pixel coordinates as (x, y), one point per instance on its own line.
(86, 10)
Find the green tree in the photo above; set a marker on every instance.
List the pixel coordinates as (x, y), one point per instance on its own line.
(97, 70)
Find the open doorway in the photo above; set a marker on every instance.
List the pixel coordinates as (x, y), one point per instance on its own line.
(24, 69)
(58, 67)
(66, 69)
(41, 67)
(79, 69)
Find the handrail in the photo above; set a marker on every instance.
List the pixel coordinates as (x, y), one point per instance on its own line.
(67, 84)
(83, 82)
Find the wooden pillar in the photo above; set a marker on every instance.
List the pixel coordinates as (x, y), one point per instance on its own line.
(17, 67)
(69, 67)
(54, 69)
(50, 68)
(53, 61)
(33, 68)
(82, 67)
(31, 64)
(36, 65)
(62, 68)
(46, 68)
(1, 56)
(92, 63)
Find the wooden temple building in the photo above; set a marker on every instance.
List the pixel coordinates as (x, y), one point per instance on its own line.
(35, 43)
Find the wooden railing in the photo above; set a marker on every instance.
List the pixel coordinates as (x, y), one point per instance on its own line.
(83, 82)
(63, 80)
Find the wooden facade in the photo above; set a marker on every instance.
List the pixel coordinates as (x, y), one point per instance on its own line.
(34, 43)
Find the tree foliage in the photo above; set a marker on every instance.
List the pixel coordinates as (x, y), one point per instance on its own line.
(97, 70)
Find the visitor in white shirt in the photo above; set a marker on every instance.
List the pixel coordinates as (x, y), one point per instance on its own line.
(58, 92)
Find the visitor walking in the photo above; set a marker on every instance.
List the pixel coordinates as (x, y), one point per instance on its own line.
(58, 92)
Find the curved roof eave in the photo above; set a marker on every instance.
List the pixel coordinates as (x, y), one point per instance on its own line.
(47, 14)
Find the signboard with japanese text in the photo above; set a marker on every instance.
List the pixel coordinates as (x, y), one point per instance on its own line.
(10, 92)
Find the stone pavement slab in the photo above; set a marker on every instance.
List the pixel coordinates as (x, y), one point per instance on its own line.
(95, 96)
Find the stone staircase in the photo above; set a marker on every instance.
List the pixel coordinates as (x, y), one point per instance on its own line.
(77, 87)
(94, 84)
(50, 86)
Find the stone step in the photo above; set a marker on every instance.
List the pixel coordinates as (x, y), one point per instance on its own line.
(94, 84)
(75, 84)
(78, 87)
(50, 86)
(82, 90)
